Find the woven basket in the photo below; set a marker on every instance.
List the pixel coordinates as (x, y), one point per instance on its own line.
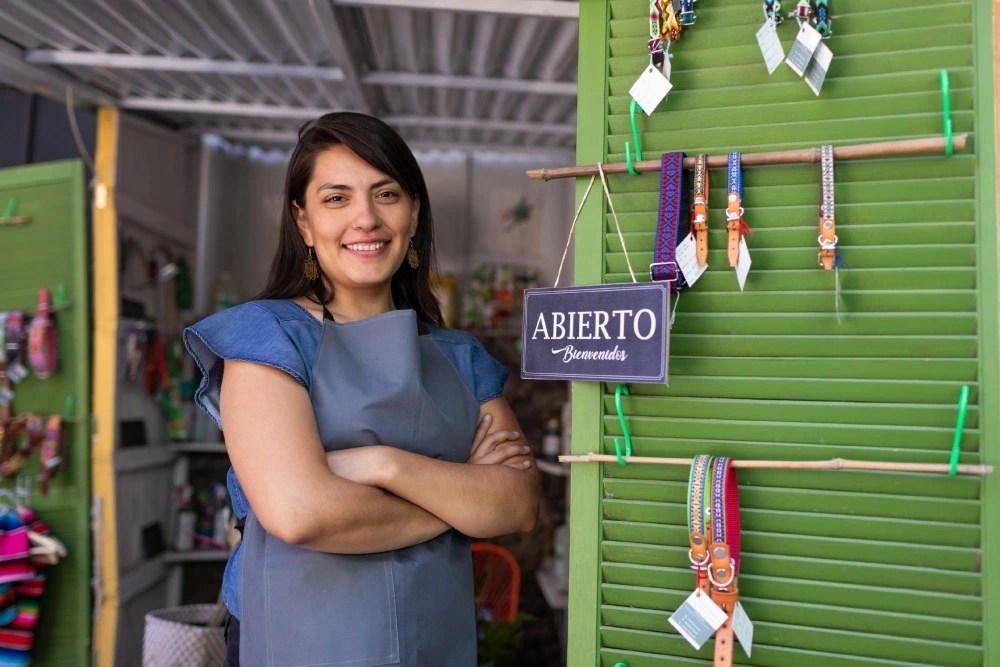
(177, 637)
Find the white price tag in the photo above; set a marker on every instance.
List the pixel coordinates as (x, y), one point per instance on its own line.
(770, 46)
(687, 260)
(697, 619)
(6, 396)
(743, 628)
(650, 89)
(743, 263)
(802, 50)
(820, 65)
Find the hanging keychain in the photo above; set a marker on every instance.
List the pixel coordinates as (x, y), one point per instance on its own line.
(14, 344)
(687, 12)
(767, 36)
(43, 351)
(654, 83)
(822, 20)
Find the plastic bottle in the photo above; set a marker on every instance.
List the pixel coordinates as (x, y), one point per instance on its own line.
(551, 441)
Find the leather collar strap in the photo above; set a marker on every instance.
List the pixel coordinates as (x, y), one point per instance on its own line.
(725, 553)
(698, 496)
(671, 226)
(734, 208)
(827, 222)
(43, 350)
(699, 208)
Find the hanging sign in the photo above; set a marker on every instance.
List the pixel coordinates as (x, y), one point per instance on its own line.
(610, 333)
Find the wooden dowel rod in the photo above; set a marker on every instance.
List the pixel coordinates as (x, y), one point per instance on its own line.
(832, 464)
(929, 145)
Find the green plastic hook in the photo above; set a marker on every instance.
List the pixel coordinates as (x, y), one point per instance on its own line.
(963, 406)
(69, 407)
(629, 164)
(946, 104)
(12, 204)
(619, 390)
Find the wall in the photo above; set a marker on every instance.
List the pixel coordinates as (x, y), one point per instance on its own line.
(845, 568)
(241, 218)
(37, 129)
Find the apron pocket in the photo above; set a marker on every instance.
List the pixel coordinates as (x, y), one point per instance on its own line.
(328, 609)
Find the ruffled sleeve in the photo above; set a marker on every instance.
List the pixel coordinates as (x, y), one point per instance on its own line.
(243, 333)
(490, 375)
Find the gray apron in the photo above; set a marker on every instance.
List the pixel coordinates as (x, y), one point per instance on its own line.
(375, 382)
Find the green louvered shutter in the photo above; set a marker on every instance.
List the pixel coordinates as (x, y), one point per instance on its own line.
(839, 568)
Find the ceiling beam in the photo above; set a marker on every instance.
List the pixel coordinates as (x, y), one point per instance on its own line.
(287, 138)
(422, 79)
(547, 8)
(180, 64)
(215, 108)
(48, 81)
(331, 32)
(495, 124)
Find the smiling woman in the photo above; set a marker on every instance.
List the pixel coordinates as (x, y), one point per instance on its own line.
(368, 443)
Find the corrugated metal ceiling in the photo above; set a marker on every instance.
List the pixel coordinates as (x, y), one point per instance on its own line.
(489, 74)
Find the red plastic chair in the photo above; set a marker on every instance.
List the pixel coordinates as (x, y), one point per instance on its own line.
(498, 579)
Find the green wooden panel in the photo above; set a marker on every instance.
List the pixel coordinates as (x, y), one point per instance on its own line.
(784, 589)
(846, 568)
(49, 250)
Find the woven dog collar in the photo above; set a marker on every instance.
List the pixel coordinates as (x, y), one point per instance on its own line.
(699, 208)
(724, 553)
(827, 221)
(670, 225)
(698, 495)
(734, 208)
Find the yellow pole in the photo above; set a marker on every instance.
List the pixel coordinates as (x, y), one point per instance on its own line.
(105, 243)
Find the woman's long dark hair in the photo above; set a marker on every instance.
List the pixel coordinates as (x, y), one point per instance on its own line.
(380, 146)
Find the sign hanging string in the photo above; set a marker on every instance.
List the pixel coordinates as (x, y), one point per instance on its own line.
(618, 227)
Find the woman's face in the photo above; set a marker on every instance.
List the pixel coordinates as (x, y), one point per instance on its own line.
(358, 220)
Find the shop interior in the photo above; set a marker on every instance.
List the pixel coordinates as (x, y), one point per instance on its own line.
(208, 99)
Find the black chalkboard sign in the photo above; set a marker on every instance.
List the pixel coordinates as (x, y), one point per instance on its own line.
(609, 333)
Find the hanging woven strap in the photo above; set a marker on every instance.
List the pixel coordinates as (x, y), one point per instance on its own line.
(670, 27)
(655, 43)
(824, 23)
(699, 208)
(687, 12)
(772, 10)
(734, 208)
(724, 553)
(827, 222)
(802, 11)
(15, 332)
(671, 225)
(698, 495)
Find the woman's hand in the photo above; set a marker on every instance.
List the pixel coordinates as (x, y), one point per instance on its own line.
(498, 448)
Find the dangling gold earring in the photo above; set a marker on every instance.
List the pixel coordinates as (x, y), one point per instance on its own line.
(412, 257)
(310, 269)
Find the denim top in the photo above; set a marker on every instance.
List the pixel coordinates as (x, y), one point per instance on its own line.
(284, 335)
